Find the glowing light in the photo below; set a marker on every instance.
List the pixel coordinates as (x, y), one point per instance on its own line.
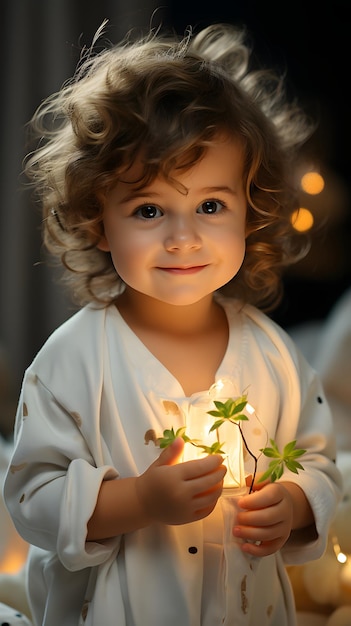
(302, 220)
(218, 386)
(312, 183)
(12, 563)
(199, 428)
(342, 558)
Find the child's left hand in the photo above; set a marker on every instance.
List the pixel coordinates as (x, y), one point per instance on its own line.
(266, 517)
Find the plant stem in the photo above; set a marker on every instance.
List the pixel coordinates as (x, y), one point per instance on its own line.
(251, 454)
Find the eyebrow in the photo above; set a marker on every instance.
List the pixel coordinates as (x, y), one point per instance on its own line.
(133, 195)
(224, 188)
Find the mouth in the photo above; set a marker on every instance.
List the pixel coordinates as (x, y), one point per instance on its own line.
(183, 271)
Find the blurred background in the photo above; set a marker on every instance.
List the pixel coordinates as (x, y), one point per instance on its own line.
(41, 43)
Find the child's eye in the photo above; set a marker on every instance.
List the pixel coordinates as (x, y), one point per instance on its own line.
(209, 207)
(148, 211)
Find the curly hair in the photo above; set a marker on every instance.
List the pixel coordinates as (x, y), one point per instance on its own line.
(170, 97)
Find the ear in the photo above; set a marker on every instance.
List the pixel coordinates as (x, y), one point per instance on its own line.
(103, 244)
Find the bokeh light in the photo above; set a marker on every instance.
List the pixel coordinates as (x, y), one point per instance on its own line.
(312, 183)
(302, 219)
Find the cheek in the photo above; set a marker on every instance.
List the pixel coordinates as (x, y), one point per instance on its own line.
(128, 254)
(233, 252)
(122, 258)
(234, 242)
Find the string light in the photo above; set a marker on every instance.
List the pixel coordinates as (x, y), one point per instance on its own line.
(341, 557)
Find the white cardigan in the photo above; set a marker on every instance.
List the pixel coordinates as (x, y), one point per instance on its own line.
(87, 400)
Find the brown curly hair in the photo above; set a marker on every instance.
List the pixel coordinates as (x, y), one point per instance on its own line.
(170, 97)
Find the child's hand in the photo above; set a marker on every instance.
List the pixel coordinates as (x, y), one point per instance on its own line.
(267, 517)
(179, 493)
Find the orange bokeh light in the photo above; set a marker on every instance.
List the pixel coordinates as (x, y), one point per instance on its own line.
(302, 220)
(312, 183)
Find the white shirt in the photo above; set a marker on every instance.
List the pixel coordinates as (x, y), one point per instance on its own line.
(88, 399)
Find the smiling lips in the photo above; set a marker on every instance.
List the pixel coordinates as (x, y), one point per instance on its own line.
(183, 270)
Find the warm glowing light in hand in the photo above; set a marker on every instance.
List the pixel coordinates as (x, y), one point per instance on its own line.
(198, 427)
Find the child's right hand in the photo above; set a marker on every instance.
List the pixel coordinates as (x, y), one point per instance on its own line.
(179, 493)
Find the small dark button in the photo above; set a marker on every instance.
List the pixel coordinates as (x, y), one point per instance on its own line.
(319, 400)
(192, 549)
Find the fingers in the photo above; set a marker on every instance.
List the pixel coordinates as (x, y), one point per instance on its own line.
(260, 517)
(178, 493)
(260, 549)
(254, 484)
(262, 498)
(191, 470)
(200, 467)
(260, 540)
(265, 517)
(171, 454)
(258, 532)
(209, 483)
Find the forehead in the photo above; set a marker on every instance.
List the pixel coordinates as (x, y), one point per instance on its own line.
(221, 161)
(222, 158)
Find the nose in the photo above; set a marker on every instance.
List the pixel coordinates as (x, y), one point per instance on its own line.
(182, 235)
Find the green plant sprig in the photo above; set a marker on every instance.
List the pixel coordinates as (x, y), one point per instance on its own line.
(232, 410)
(169, 435)
(281, 460)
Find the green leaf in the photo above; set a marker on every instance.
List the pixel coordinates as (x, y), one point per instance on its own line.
(221, 406)
(224, 408)
(169, 435)
(214, 449)
(270, 452)
(237, 418)
(293, 466)
(216, 425)
(297, 452)
(239, 406)
(229, 408)
(277, 473)
(288, 449)
(267, 474)
(286, 459)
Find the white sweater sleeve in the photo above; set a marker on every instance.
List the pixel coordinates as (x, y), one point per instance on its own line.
(53, 481)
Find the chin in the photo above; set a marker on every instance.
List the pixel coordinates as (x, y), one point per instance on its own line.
(184, 301)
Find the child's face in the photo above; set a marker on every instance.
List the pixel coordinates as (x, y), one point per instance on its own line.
(179, 243)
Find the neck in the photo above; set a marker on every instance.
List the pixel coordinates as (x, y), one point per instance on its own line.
(141, 311)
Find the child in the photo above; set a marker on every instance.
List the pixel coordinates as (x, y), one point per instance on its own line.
(165, 176)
